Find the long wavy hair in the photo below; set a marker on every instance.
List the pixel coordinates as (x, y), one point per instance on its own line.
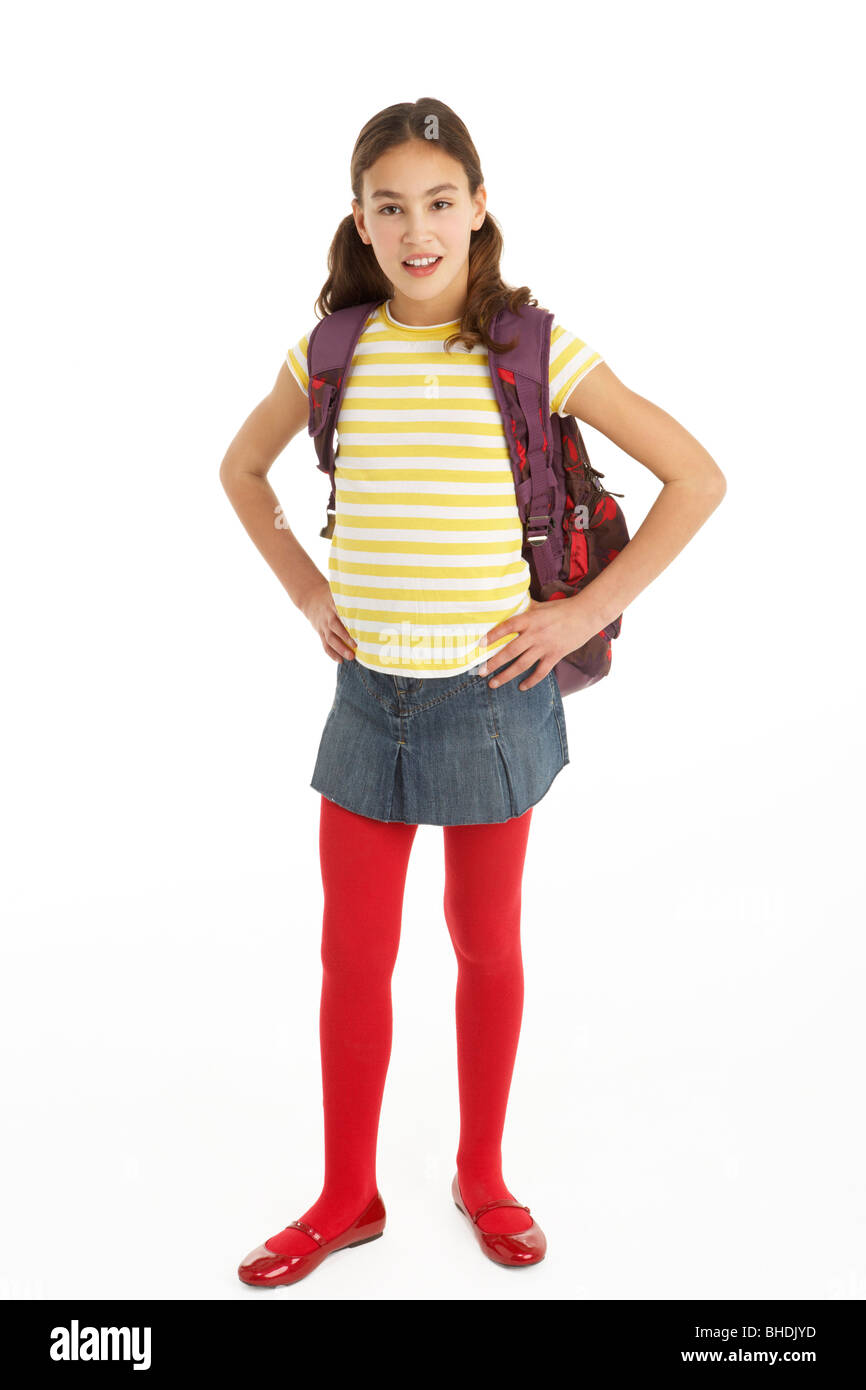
(355, 276)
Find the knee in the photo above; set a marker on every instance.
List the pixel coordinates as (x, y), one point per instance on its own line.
(486, 940)
(362, 957)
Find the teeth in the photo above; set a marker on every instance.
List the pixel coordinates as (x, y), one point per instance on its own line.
(424, 260)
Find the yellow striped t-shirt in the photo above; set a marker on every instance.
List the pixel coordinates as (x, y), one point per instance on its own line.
(426, 554)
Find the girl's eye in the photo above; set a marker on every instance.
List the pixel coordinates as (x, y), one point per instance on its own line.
(389, 206)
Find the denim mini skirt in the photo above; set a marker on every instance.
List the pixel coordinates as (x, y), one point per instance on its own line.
(441, 750)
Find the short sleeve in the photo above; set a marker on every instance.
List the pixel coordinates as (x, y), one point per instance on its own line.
(571, 360)
(296, 361)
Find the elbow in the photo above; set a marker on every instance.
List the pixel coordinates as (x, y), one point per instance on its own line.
(713, 482)
(702, 476)
(225, 478)
(239, 466)
(708, 486)
(229, 473)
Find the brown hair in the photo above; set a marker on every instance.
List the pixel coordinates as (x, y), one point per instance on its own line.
(355, 275)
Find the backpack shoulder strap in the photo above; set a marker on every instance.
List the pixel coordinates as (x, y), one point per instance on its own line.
(335, 337)
(329, 355)
(532, 326)
(521, 382)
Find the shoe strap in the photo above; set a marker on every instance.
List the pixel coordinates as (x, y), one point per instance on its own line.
(500, 1202)
(308, 1230)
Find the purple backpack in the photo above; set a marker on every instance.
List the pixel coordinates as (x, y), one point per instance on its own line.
(572, 526)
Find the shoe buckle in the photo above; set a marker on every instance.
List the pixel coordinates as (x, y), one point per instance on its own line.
(309, 1231)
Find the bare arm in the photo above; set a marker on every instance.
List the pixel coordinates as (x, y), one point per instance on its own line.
(243, 473)
(694, 485)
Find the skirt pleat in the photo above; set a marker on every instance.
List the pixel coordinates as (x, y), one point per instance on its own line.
(439, 750)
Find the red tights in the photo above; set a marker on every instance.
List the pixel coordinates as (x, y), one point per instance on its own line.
(364, 864)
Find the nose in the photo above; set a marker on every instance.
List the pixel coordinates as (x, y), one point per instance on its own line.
(416, 237)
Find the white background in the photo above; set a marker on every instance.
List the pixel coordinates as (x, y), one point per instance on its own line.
(680, 184)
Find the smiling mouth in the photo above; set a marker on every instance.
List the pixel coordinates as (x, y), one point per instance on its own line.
(422, 272)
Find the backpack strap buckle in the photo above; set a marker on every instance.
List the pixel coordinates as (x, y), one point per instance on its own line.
(543, 520)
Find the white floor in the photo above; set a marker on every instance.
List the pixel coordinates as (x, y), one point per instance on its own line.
(684, 1120)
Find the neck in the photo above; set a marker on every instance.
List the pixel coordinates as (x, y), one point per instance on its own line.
(442, 308)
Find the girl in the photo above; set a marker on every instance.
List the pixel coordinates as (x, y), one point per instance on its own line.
(427, 583)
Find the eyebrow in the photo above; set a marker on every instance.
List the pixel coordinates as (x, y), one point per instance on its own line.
(389, 192)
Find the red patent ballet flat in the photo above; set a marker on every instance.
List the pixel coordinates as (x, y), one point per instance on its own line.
(265, 1269)
(514, 1248)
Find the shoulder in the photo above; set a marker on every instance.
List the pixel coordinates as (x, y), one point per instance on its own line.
(297, 355)
(296, 360)
(571, 360)
(583, 385)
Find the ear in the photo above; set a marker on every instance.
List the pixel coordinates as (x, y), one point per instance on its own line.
(479, 202)
(358, 215)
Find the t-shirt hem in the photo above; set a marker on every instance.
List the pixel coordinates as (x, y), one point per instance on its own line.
(294, 373)
(417, 672)
(571, 385)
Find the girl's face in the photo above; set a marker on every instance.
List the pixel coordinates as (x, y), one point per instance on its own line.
(416, 204)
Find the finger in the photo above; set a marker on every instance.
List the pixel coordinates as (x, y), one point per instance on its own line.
(342, 640)
(344, 634)
(338, 651)
(497, 661)
(497, 633)
(519, 663)
(536, 678)
(503, 653)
